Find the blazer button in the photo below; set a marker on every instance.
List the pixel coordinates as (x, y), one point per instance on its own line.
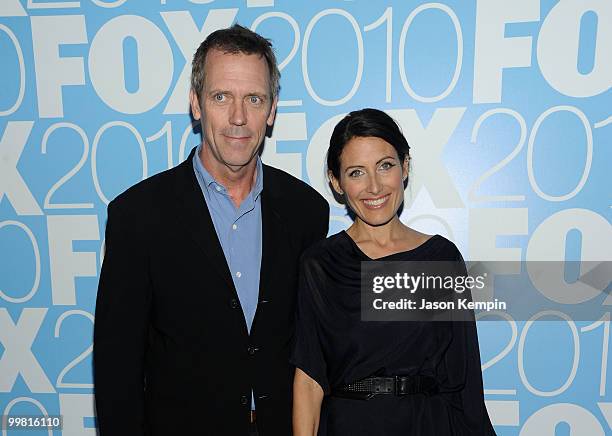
(244, 400)
(252, 350)
(234, 303)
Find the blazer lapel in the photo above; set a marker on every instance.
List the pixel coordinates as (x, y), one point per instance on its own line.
(194, 215)
(274, 240)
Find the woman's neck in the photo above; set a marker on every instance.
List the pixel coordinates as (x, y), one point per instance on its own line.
(381, 236)
(381, 241)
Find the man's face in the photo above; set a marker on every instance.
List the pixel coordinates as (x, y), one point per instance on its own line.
(234, 108)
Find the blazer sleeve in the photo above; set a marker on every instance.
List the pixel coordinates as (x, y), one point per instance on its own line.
(120, 329)
(324, 229)
(319, 221)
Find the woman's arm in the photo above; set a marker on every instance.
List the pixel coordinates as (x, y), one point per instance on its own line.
(307, 398)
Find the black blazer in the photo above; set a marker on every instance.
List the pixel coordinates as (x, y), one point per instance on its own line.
(172, 355)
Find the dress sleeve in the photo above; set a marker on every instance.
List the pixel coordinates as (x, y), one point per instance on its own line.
(475, 416)
(307, 353)
(464, 371)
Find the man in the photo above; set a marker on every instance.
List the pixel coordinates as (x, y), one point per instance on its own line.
(195, 309)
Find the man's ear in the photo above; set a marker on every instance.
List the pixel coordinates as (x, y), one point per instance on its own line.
(272, 116)
(195, 105)
(335, 183)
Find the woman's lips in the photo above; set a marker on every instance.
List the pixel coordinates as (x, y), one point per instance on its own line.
(376, 203)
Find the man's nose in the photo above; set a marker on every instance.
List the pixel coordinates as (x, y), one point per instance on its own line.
(238, 115)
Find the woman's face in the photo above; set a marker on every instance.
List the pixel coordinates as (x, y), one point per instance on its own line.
(372, 177)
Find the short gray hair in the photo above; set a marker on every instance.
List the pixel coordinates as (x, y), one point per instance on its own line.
(233, 40)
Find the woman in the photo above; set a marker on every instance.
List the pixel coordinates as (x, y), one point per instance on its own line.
(430, 371)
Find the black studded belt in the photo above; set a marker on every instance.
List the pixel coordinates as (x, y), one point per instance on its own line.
(396, 385)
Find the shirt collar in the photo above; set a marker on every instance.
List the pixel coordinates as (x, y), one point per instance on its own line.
(210, 180)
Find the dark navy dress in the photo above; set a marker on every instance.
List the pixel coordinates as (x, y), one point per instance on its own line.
(334, 347)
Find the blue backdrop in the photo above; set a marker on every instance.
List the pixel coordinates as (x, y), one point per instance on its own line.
(506, 105)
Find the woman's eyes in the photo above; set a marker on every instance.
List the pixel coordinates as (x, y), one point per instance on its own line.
(387, 165)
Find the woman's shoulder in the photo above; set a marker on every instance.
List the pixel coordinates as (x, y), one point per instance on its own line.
(438, 247)
(325, 248)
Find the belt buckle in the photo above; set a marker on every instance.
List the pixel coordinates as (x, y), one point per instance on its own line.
(399, 386)
(406, 385)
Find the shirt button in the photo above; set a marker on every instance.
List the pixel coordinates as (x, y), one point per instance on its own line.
(234, 226)
(234, 303)
(218, 188)
(244, 400)
(238, 274)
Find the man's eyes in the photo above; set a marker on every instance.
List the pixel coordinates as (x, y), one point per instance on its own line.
(251, 99)
(255, 99)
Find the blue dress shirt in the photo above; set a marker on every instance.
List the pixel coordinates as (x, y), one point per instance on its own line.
(239, 232)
